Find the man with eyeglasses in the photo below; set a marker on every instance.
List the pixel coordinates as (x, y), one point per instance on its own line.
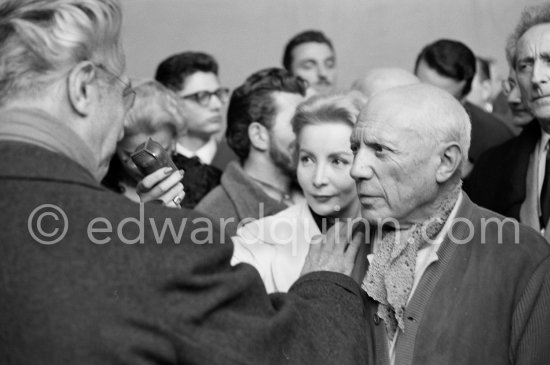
(514, 179)
(520, 116)
(89, 277)
(194, 77)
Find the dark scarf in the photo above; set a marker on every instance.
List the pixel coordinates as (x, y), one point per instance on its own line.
(390, 276)
(37, 127)
(199, 179)
(323, 223)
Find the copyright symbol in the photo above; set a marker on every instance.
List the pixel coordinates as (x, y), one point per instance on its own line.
(48, 224)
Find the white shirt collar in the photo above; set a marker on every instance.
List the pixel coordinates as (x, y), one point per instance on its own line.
(206, 153)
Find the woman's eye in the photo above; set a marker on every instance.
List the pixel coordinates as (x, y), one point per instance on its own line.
(305, 159)
(340, 162)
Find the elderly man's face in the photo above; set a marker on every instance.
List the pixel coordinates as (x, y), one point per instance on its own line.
(394, 165)
(533, 71)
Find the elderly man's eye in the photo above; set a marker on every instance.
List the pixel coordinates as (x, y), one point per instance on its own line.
(524, 66)
(378, 149)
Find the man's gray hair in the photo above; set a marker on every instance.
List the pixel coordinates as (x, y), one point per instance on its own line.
(42, 39)
(531, 16)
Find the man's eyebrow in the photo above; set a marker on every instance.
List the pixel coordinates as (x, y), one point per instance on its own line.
(526, 59)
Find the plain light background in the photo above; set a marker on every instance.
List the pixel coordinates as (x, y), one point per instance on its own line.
(247, 35)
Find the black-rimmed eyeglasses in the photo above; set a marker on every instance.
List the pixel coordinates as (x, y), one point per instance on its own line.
(128, 93)
(203, 97)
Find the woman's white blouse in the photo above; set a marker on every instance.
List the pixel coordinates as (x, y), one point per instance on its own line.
(277, 246)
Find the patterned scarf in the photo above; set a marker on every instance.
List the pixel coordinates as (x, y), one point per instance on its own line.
(390, 276)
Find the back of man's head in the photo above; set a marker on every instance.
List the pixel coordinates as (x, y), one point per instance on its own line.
(41, 40)
(451, 59)
(173, 71)
(307, 36)
(379, 79)
(253, 102)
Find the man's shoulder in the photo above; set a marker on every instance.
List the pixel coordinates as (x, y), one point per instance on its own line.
(507, 238)
(216, 203)
(486, 119)
(497, 156)
(501, 159)
(487, 131)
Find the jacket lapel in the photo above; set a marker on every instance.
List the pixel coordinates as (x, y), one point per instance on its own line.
(517, 163)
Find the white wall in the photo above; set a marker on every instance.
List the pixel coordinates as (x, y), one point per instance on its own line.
(246, 35)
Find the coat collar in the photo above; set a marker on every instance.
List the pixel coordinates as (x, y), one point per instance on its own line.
(248, 198)
(27, 161)
(516, 155)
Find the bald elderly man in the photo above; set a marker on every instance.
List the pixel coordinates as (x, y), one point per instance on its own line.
(450, 282)
(378, 79)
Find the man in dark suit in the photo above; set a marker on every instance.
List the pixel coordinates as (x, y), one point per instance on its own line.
(451, 66)
(450, 282)
(88, 277)
(193, 76)
(514, 178)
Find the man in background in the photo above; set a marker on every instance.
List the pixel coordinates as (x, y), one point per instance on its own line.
(379, 79)
(262, 183)
(310, 55)
(514, 179)
(481, 93)
(451, 66)
(514, 112)
(193, 76)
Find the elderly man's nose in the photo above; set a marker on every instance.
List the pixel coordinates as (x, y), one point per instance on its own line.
(361, 167)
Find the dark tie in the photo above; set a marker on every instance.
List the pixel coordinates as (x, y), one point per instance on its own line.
(545, 194)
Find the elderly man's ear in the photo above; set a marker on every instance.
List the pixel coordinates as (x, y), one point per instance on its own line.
(78, 87)
(450, 163)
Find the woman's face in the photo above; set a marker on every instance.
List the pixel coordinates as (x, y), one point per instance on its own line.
(324, 162)
(164, 135)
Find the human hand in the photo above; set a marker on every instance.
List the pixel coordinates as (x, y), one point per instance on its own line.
(164, 185)
(336, 251)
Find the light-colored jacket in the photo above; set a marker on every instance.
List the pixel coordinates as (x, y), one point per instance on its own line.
(277, 246)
